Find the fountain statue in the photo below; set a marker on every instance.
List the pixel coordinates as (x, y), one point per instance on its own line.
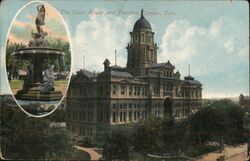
(39, 86)
(40, 35)
(48, 79)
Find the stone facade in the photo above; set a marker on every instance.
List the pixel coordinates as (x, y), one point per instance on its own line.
(125, 95)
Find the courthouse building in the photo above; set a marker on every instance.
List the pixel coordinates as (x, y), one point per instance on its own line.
(121, 95)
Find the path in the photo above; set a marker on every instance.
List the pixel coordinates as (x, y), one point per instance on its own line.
(231, 153)
(93, 154)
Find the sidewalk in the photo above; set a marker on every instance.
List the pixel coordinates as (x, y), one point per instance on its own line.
(230, 153)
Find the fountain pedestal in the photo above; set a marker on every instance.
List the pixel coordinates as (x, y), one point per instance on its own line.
(38, 55)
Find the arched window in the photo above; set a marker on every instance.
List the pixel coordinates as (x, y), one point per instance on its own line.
(142, 37)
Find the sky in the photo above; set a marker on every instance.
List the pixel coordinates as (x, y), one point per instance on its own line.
(24, 23)
(211, 36)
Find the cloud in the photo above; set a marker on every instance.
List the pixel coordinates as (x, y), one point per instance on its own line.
(50, 12)
(98, 37)
(17, 39)
(21, 28)
(218, 54)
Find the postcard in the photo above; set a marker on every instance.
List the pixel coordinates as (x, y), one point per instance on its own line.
(124, 80)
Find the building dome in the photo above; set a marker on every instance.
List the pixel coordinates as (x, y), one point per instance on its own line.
(142, 23)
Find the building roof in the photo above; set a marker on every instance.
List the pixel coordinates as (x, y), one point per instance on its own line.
(83, 72)
(190, 80)
(158, 65)
(121, 74)
(142, 23)
(87, 73)
(116, 66)
(246, 97)
(116, 73)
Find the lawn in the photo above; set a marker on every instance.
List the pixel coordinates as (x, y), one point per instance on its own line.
(16, 85)
(80, 155)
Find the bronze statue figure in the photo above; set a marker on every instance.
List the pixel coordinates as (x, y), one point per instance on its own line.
(40, 35)
(40, 19)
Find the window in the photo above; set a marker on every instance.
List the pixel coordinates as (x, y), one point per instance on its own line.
(124, 116)
(130, 116)
(135, 91)
(91, 116)
(114, 106)
(122, 89)
(120, 116)
(83, 132)
(84, 116)
(101, 90)
(75, 91)
(91, 131)
(114, 89)
(107, 117)
(135, 115)
(138, 91)
(130, 90)
(107, 92)
(114, 117)
(89, 91)
(101, 116)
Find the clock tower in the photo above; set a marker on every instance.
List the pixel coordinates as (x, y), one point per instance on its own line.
(142, 51)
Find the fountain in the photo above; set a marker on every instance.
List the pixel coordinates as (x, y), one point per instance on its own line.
(38, 53)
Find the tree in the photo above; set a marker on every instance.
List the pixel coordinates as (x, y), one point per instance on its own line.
(205, 125)
(147, 136)
(63, 46)
(116, 146)
(175, 135)
(222, 121)
(25, 137)
(59, 115)
(12, 65)
(61, 143)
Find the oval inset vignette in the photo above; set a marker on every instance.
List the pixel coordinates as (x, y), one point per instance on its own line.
(38, 58)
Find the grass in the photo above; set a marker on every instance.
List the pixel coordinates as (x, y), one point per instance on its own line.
(16, 85)
(80, 155)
